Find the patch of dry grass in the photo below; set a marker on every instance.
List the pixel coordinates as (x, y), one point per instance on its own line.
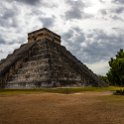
(65, 90)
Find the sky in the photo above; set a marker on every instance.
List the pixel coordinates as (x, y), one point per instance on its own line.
(92, 30)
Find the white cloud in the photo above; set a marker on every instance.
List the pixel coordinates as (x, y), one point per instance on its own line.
(100, 68)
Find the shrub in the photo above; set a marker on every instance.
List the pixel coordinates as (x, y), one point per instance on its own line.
(119, 92)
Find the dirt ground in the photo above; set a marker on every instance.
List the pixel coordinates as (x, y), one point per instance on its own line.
(54, 108)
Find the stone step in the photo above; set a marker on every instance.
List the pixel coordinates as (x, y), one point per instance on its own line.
(32, 73)
(39, 56)
(29, 84)
(44, 54)
(40, 79)
(42, 60)
(39, 73)
(28, 80)
(38, 59)
(38, 66)
(40, 51)
(29, 77)
(34, 68)
(33, 64)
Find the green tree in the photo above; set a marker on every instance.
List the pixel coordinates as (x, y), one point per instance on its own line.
(116, 72)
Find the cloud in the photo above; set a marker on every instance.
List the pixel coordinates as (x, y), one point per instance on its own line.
(47, 21)
(2, 41)
(1, 51)
(29, 2)
(8, 16)
(94, 46)
(100, 67)
(74, 3)
(102, 1)
(114, 13)
(74, 37)
(119, 10)
(103, 12)
(74, 13)
(115, 17)
(118, 1)
(76, 10)
(102, 46)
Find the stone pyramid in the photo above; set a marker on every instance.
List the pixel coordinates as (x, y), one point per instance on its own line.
(44, 62)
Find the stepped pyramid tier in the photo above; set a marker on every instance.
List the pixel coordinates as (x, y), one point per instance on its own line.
(44, 62)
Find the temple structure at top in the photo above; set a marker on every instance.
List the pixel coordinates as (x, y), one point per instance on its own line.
(44, 34)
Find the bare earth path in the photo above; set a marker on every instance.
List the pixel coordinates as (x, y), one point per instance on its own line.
(54, 108)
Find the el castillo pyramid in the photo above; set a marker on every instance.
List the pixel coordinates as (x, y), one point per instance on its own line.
(44, 62)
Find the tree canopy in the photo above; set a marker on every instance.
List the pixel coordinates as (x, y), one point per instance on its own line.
(116, 72)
